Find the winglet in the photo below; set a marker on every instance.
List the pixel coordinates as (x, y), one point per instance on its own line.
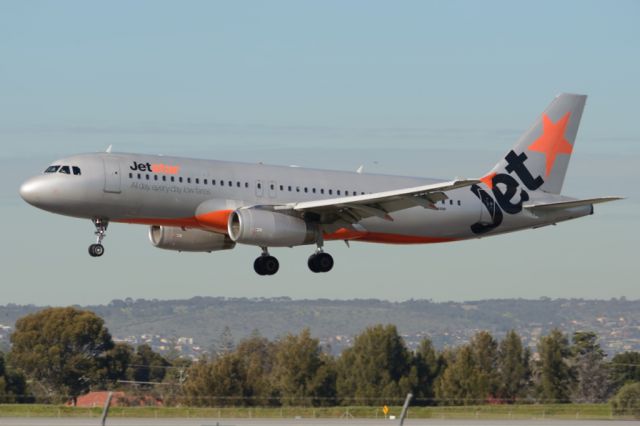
(108, 150)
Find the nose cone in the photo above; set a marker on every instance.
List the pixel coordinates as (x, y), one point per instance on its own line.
(36, 191)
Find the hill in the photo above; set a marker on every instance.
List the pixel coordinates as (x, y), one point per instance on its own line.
(198, 324)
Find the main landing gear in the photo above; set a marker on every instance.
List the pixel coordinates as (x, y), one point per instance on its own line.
(266, 264)
(97, 249)
(269, 265)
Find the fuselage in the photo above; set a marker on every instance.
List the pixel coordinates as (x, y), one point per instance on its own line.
(184, 192)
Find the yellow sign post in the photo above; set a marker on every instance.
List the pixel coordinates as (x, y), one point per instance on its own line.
(385, 410)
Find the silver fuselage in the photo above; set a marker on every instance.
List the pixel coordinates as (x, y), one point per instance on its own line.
(118, 187)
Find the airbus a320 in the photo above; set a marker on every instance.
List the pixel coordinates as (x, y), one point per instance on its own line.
(205, 205)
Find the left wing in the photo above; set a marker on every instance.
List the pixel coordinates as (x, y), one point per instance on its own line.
(355, 208)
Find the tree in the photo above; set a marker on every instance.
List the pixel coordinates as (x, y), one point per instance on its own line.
(555, 376)
(119, 359)
(627, 400)
(13, 386)
(256, 354)
(461, 383)
(147, 365)
(63, 349)
(592, 382)
(625, 368)
(428, 366)
(513, 368)
(485, 353)
(377, 365)
(301, 374)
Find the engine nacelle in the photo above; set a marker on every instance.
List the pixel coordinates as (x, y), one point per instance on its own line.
(267, 228)
(172, 238)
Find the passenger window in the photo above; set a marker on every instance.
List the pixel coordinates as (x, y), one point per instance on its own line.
(246, 184)
(130, 175)
(52, 169)
(259, 185)
(321, 191)
(155, 177)
(289, 187)
(139, 177)
(331, 192)
(65, 170)
(338, 192)
(180, 179)
(450, 202)
(197, 180)
(164, 178)
(147, 176)
(306, 189)
(188, 180)
(313, 190)
(213, 181)
(230, 183)
(76, 170)
(459, 202)
(173, 179)
(221, 183)
(297, 189)
(204, 182)
(238, 184)
(346, 192)
(281, 187)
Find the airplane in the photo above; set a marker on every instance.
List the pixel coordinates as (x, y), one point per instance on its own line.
(205, 205)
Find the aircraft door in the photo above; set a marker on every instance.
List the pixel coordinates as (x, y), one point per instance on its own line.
(111, 174)
(259, 188)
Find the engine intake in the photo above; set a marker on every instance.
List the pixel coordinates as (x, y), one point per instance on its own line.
(266, 228)
(172, 238)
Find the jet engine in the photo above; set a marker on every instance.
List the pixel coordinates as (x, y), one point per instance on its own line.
(266, 228)
(172, 238)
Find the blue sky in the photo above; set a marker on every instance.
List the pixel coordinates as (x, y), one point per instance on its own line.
(422, 88)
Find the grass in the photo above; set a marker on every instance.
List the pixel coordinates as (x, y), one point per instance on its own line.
(482, 412)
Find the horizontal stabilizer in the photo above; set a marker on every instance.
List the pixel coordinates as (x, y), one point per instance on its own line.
(569, 204)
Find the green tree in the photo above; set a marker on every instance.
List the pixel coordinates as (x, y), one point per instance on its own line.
(591, 373)
(13, 385)
(625, 368)
(627, 400)
(147, 366)
(428, 366)
(256, 354)
(301, 373)
(63, 349)
(462, 382)
(555, 377)
(485, 353)
(118, 361)
(377, 365)
(513, 368)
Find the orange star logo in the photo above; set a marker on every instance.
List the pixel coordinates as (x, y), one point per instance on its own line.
(552, 142)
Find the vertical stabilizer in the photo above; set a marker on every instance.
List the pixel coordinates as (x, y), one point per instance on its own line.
(547, 146)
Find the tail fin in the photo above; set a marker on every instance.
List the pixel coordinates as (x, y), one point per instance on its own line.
(541, 156)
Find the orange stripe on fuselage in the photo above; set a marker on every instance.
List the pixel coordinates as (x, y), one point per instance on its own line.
(217, 221)
(386, 238)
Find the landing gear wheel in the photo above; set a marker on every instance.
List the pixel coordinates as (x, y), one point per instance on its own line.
(266, 265)
(320, 262)
(96, 250)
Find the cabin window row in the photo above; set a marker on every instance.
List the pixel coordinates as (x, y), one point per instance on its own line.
(238, 184)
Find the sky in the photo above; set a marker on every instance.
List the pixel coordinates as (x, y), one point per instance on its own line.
(435, 89)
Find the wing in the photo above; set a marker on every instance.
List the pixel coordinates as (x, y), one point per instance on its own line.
(355, 208)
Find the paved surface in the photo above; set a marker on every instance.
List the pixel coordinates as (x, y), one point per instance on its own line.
(45, 421)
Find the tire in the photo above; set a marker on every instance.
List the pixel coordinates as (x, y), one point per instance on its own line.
(271, 265)
(258, 266)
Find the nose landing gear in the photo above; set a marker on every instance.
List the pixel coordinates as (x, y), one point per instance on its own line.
(266, 264)
(97, 249)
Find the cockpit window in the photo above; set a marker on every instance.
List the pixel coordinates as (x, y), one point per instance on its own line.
(76, 170)
(52, 169)
(65, 170)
